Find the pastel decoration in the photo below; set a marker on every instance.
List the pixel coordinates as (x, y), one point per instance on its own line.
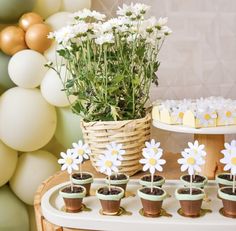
(226, 116)
(52, 88)
(32, 169)
(5, 81)
(115, 149)
(29, 19)
(33, 72)
(11, 10)
(75, 5)
(11, 207)
(45, 8)
(58, 20)
(52, 55)
(54, 147)
(12, 40)
(32, 220)
(68, 127)
(8, 163)
(27, 121)
(156, 113)
(36, 37)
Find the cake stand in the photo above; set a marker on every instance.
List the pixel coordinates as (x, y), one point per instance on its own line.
(213, 139)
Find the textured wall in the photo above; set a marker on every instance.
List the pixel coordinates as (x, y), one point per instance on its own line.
(198, 59)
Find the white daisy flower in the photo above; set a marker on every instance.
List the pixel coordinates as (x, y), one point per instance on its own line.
(69, 161)
(196, 149)
(105, 38)
(86, 13)
(108, 164)
(115, 149)
(152, 146)
(64, 34)
(206, 117)
(178, 112)
(227, 115)
(230, 161)
(190, 162)
(152, 161)
(81, 150)
(162, 22)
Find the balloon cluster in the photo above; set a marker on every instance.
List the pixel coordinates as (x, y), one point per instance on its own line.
(35, 120)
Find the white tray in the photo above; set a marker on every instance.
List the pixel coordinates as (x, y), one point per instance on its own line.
(52, 205)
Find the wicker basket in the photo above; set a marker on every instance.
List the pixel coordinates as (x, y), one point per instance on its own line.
(131, 133)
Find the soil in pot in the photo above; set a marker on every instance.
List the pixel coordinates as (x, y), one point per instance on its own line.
(109, 206)
(190, 208)
(85, 176)
(152, 208)
(229, 205)
(226, 177)
(73, 204)
(156, 178)
(196, 178)
(119, 178)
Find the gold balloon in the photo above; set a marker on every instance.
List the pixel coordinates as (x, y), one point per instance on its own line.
(12, 40)
(36, 37)
(29, 19)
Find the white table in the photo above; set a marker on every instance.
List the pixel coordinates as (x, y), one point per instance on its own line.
(213, 139)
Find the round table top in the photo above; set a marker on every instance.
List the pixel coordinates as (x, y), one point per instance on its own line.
(231, 129)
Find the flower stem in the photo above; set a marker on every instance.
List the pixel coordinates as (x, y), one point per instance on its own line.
(109, 183)
(80, 170)
(152, 176)
(71, 183)
(234, 179)
(191, 182)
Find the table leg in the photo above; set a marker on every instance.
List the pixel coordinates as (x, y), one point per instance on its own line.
(213, 146)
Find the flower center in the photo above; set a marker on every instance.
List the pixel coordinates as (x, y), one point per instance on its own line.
(191, 161)
(114, 152)
(152, 161)
(195, 151)
(80, 152)
(69, 161)
(181, 115)
(233, 161)
(207, 116)
(108, 163)
(228, 114)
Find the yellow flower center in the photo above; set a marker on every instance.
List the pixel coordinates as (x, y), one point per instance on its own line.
(207, 116)
(80, 152)
(181, 115)
(108, 163)
(152, 161)
(155, 150)
(114, 152)
(228, 114)
(191, 161)
(195, 151)
(69, 161)
(233, 161)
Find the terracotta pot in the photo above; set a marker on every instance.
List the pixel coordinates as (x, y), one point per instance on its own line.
(86, 182)
(73, 201)
(223, 182)
(190, 204)
(110, 203)
(229, 202)
(194, 184)
(152, 204)
(119, 183)
(158, 183)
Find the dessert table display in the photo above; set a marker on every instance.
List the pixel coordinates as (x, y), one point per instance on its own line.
(208, 119)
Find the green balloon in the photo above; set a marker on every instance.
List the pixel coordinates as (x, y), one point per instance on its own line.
(68, 127)
(5, 81)
(11, 10)
(14, 215)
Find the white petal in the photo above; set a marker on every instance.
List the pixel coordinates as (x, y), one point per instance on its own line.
(69, 169)
(190, 170)
(63, 155)
(108, 170)
(145, 167)
(64, 167)
(61, 161)
(152, 170)
(75, 166)
(161, 161)
(143, 161)
(114, 169)
(197, 168)
(181, 161)
(159, 168)
(227, 167)
(146, 155)
(183, 167)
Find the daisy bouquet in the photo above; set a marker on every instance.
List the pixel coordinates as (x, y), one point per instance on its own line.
(111, 64)
(230, 160)
(192, 159)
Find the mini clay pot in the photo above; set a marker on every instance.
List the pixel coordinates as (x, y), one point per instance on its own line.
(73, 199)
(110, 200)
(198, 181)
(224, 180)
(229, 201)
(190, 203)
(121, 180)
(152, 200)
(158, 181)
(86, 180)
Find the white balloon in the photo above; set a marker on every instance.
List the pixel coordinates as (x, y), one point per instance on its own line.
(27, 121)
(8, 161)
(47, 7)
(51, 88)
(75, 5)
(26, 68)
(32, 169)
(58, 20)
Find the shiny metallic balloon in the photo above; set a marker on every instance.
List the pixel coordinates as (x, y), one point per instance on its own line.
(29, 19)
